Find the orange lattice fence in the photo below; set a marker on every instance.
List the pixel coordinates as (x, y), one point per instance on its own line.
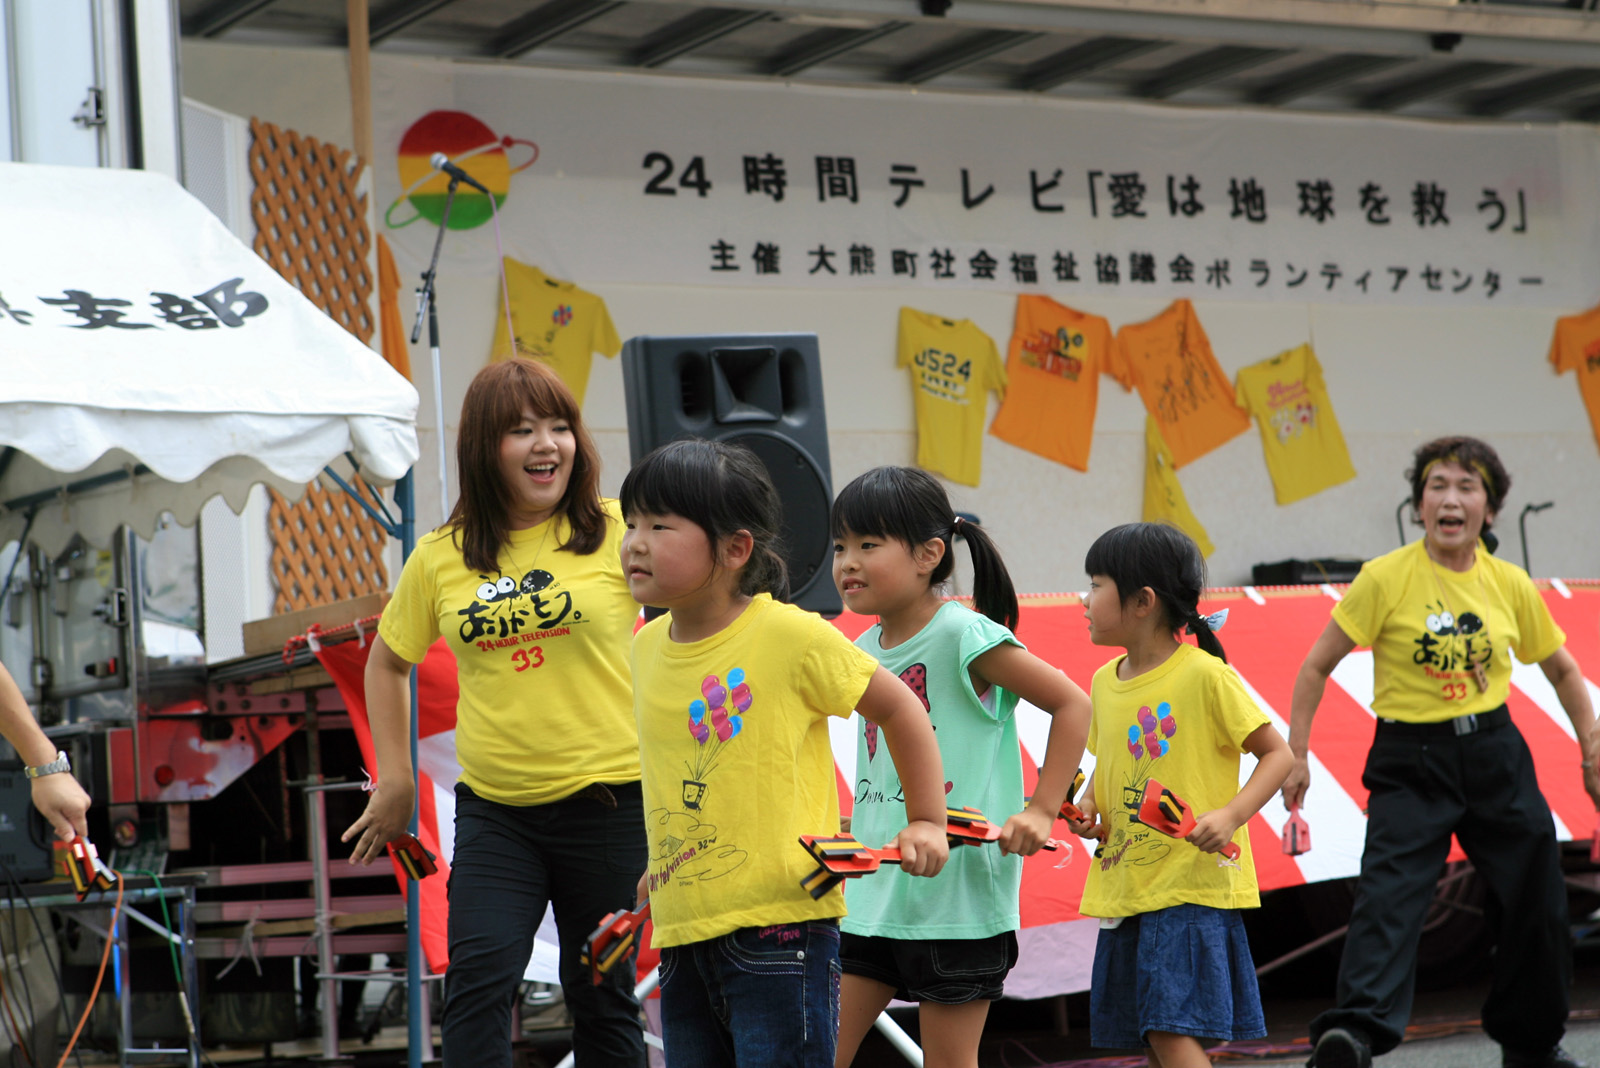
(311, 225)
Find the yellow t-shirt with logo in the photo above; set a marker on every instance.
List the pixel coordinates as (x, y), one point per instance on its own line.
(1164, 500)
(541, 647)
(737, 766)
(954, 366)
(1427, 625)
(1180, 725)
(555, 322)
(1304, 447)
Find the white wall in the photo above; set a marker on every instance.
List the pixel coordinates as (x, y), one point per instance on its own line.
(1397, 376)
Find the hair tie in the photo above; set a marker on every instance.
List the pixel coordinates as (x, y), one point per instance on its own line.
(1213, 622)
(955, 525)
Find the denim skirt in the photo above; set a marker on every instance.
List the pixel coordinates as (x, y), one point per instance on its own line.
(1185, 970)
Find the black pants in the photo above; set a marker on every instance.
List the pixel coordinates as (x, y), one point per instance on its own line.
(577, 855)
(1426, 785)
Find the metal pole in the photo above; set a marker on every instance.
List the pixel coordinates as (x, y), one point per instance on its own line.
(428, 301)
(119, 934)
(316, 824)
(418, 1023)
(438, 409)
(191, 977)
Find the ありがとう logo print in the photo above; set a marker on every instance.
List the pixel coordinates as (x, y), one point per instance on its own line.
(508, 610)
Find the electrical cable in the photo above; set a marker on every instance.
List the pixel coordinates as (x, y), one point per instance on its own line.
(13, 1028)
(10, 1027)
(27, 991)
(177, 969)
(13, 890)
(105, 956)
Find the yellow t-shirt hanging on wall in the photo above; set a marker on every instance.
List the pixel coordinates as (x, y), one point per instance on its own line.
(1576, 347)
(1305, 450)
(954, 366)
(555, 322)
(1164, 501)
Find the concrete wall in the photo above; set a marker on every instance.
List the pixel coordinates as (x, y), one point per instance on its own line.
(1397, 376)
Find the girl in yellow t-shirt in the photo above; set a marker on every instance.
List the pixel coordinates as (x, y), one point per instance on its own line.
(1172, 966)
(732, 694)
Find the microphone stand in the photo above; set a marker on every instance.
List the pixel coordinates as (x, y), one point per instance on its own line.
(428, 301)
(418, 1025)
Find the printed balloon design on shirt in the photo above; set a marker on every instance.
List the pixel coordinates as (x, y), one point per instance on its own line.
(1151, 738)
(713, 725)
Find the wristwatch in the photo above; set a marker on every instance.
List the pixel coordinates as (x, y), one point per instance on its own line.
(60, 763)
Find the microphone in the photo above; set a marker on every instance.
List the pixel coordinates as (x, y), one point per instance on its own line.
(441, 162)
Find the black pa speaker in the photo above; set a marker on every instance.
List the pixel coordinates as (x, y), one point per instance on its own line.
(1305, 572)
(762, 391)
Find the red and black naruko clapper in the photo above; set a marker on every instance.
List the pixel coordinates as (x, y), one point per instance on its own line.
(410, 855)
(612, 940)
(1070, 811)
(841, 857)
(1296, 833)
(1162, 810)
(89, 873)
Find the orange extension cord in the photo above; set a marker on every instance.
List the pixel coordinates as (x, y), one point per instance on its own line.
(105, 956)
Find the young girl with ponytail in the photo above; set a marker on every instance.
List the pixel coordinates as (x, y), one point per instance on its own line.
(949, 942)
(1172, 966)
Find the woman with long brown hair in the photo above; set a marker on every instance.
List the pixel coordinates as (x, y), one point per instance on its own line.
(525, 583)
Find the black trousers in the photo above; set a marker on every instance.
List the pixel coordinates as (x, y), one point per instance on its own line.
(577, 855)
(1426, 785)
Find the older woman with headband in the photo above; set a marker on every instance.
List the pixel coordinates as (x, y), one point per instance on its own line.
(1443, 617)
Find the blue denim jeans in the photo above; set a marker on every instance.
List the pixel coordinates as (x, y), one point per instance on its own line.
(577, 855)
(761, 996)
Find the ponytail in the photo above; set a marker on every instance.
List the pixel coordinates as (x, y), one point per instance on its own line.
(1205, 636)
(765, 573)
(992, 591)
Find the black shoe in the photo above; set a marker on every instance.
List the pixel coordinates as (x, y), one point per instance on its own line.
(1339, 1048)
(1556, 1057)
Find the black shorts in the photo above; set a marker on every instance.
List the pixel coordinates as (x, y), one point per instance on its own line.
(948, 971)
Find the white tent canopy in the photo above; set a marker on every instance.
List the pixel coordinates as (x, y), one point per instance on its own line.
(136, 332)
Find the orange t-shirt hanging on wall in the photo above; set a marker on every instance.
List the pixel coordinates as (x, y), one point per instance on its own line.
(1054, 366)
(1169, 360)
(1576, 347)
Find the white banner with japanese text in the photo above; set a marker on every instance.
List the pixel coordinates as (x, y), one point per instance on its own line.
(651, 179)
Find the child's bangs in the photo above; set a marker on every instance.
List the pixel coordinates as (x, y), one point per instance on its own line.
(875, 505)
(668, 482)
